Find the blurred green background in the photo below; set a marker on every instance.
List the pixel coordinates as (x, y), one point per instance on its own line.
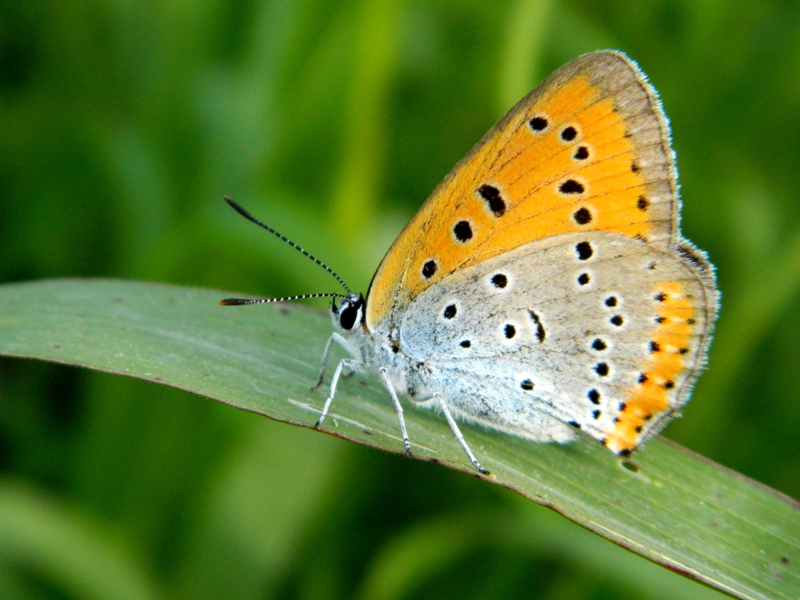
(122, 125)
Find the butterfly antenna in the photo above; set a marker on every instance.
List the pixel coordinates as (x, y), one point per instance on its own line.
(235, 205)
(243, 301)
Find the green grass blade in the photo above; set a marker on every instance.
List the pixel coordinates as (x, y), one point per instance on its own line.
(677, 509)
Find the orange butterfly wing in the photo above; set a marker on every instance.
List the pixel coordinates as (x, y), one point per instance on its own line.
(588, 149)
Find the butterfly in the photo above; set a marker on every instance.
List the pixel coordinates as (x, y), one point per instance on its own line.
(544, 287)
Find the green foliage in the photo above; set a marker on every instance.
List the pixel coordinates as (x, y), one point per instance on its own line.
(123, 124)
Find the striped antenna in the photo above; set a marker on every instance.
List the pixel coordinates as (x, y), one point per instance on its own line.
(283, 238)
(242, 301)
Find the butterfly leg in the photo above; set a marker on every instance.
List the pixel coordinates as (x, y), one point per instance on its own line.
(347, 363)
(457, 433)
(325, 354)
(397, 407)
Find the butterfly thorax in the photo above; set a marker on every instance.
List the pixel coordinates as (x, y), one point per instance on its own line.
(380, 348)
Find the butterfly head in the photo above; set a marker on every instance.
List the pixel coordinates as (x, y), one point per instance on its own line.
(349, 314)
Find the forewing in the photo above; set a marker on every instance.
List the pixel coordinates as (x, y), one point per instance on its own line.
(587, 150)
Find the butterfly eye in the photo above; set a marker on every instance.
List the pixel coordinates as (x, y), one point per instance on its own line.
(347, 317)
(351, 313)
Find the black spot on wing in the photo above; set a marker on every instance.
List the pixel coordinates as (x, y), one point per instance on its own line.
(538, 124)
(429, 269)
(463, 231)
(495, 202)
(571, 186)
(582, 216)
